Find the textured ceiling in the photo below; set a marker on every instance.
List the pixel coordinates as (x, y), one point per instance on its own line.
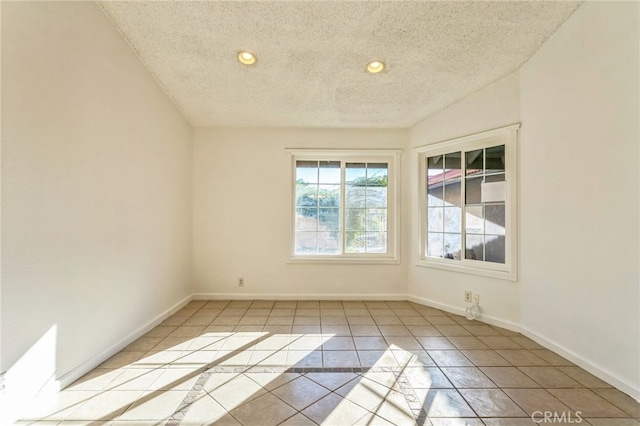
(312, 56)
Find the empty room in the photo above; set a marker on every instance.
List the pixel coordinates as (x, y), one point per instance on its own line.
(320, 213)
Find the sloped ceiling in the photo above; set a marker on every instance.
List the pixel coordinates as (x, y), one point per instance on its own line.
(312, 56)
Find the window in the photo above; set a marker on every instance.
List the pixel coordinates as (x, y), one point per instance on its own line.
(468, 202)
(345, 206)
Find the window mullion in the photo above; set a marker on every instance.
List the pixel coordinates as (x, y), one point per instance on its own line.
(343, 209)
(463, 203)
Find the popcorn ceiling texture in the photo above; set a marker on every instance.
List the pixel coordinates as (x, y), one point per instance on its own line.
(312, 56)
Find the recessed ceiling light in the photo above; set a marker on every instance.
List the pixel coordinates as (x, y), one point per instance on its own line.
(246, 58)
(375, 67)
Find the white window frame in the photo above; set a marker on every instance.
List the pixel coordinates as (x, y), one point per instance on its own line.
(508, 137)
(389, 156)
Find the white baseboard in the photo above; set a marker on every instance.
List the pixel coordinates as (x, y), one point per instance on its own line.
(598, 371)
(509, 325)
(295, 296)
(73, 375)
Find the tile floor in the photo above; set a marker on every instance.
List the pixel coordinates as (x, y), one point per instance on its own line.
(334, 363)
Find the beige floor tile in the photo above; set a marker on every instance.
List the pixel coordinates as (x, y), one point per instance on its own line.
(436, 343)
(467, 342)
(300, 393)
(427, 378)
(234, 391)
(365, 330)
(336, 330)
(298, 420)
(205, 411)
(155, 405)
(552, 357)
(306, 329)
(332, 359)
(272, 411)
(333, 410)
(413, 358)
(491, 403)
(123, 359)
(59, 406)
(394, 330)
(414, 320)
(550, 377)
(331, 381)
(143, 344)
(136, 379)
(304, 359)
(482, 330)
(377, 358)
(387, 320)
(424, 330)
(95, 380)
(526, 343)
(441, 320)
(339, 344)
(444, 403)
(366, 393)
(282, 312)
(395, 409)
(370, 343)
(612, 422)
(467, 377)
(521, 357)
(468, 421)
(509, 377)
(173, 344)
(536, 400)
(371, 419)
(188, 331)
(500, 342)
(584, 377)
(106, 405)
(621, 400)
(402, 342)
(587, 402)
(485, 358)
(450, 358)
(307, 342)
(176, 379)
(271, 381)
(452, 330)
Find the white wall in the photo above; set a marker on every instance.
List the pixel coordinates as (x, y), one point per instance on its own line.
(580, 193)
(96, 189)
(496, 106)
(242, 215)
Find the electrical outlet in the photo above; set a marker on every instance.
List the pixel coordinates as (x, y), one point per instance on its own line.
(468, 296)
(476, 299)
(240, 282)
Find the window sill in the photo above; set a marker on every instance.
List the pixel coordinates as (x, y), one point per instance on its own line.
(501, 274)
(344, 260)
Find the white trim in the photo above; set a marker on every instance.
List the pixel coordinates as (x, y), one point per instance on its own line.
(342, 152)
(482, 136)
(498, 322)
(296, 296)
(593, 368)
(73, 375)
(345, 260)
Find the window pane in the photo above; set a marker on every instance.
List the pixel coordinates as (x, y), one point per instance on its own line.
(355, 219)
(306, 219)
(452, 193)
(494, 248)
(377, 220)
(307, 171)
(435, 219)
(435, 244)
(329, 172)
(329, 219)
(473, 190)
(474, 160)
(452, 216)
(452, 246)
(328, 243)
(306, 242)
(475, 247)
(474, 220)
(376, 242)
(494, 221)
(355, 196)
(494, 178)
(452, 163)
(494, 159)
(376, 196)
(377, 174)
(306, 195)
(355, 242)
(329, 195)
(435, 195)
(355, 173)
